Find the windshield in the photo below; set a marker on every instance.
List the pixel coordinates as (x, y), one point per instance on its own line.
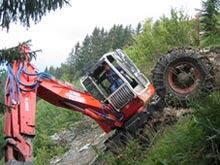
(126, 61)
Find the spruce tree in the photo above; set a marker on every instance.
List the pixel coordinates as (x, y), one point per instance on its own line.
(24, 11)
(211, 22)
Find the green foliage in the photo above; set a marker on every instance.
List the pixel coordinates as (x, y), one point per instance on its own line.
(195, 139)
(178, 145)
(120, 36)
(207, 116)
(133, 154)
(213, 39)
(138, 29)
(52, 118)
(210, 23)
(49, 120)
(24, 11)
(160, 36)
(58, 72)
(12, 54)
(45, 153)
(95, 45)
(3, 76)
(43, 156)
(210, 16)
(1, 135)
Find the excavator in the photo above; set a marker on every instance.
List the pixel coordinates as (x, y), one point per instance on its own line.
(110, 109)
(127, 108)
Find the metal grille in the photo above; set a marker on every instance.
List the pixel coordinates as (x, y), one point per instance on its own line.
(121, 97)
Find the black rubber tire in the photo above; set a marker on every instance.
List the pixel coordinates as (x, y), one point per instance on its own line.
(167, 78)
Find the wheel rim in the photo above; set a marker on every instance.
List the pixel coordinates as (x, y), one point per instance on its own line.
(183, 77)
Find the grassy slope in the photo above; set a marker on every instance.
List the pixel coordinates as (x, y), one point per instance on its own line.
(194, 139)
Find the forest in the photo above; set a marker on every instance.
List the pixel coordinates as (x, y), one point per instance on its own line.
(198, 140)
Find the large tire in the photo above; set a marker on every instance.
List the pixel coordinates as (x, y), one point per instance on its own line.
(181, 74)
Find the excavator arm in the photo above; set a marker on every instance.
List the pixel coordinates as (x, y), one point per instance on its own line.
(23, 86)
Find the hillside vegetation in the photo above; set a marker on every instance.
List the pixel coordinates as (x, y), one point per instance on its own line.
(195, 139)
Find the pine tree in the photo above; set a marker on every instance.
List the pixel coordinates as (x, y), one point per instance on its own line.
(24, 11)
(211, 22)
(139, 28)
(120, 36)
(97, 44)
(72, 60)
(210, 15)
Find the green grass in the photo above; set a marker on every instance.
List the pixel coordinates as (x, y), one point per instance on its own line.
(178, 144)
(195, 139)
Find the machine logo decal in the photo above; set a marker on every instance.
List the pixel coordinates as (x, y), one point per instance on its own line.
(75, 96)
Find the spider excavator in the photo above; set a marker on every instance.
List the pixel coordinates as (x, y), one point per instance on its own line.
(177, 76)
(112, 110)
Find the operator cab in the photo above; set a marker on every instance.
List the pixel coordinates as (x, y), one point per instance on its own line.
(132, 82)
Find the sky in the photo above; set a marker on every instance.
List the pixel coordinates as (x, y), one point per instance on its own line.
(58, 32)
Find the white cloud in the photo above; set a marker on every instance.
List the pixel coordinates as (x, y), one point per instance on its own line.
(59, 31)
